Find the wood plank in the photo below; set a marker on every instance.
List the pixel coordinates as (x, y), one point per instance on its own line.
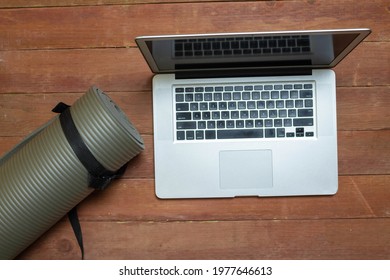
(134, 200)
(272, 239)
(67, 3)
(98, 26)
(125, 70)
(20, 114)
(73, 70)
(359, 152)
(356, 155)
(352, 104)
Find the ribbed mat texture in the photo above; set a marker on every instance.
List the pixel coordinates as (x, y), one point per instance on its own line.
(42, 179)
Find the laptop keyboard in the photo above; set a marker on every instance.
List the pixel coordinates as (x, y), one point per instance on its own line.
(254, 45)
(281, 110)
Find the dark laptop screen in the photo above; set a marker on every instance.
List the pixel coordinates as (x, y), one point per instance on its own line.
(250, 51)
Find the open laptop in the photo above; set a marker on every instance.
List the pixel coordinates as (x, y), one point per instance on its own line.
(246, 114)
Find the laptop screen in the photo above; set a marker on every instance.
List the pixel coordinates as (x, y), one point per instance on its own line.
(248, 50)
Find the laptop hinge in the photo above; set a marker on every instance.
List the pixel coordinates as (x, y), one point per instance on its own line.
(243, 73)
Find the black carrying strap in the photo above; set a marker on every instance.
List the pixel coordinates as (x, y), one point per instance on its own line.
(99, 176)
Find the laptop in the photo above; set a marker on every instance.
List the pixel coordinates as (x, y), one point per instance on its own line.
(246, 114)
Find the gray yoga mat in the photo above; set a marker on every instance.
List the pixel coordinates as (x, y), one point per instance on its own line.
(42, 178)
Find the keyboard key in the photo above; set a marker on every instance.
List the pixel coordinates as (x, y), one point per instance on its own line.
(251, 105)
(227, 96)
(230, 124)
(190, 135)
(186, 125)
(183, 116)
(220, 124)
(270, 104)
(232, 105)
(180, 135)
(198, 97)
(211, 124)
(182, 107)
(239, 133)
(265, 95)
(305, 112)
(199, 135)
(240, 124)
(254, 114)
(235, 114)
(273, 114)
(269, 133)
(256, 95)
(308, 103)
(202, 125)
(292, 113)
(246, 95)
(287, 122)
(206, 115)
(222, 105)
(263, 114)
(275, 94)
(203, 106)
(249, 123)
(179, 90)
(294, 94)
(236, 95)
(309, 134)
(284, 94)
(210, 134)
(217, 96)
(241, 105)
(299, 103)
(278, 123)
(213, 106)
(258, 123)
(179, 97)
(303, 122)
(280, 132)
(306, 94)
(208, 96)
(298, 86)
(225, 115)
(269, 123)
(194, 106)
(215, 115)
(196, 116)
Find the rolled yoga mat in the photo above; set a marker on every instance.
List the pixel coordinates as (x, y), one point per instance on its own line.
(59, 165)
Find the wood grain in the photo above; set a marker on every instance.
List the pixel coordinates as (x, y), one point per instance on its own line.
(258, 239)
(118, 25)
(134, 200)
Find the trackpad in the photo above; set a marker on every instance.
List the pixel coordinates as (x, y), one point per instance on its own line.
(245, 169)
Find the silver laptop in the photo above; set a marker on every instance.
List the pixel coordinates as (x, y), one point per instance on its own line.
(246, 114)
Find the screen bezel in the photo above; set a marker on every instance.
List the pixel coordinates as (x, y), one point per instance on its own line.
(142, 44)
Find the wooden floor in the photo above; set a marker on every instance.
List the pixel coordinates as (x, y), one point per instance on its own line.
(53, 51)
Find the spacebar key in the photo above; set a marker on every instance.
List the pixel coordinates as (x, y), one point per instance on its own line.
(239, 133)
